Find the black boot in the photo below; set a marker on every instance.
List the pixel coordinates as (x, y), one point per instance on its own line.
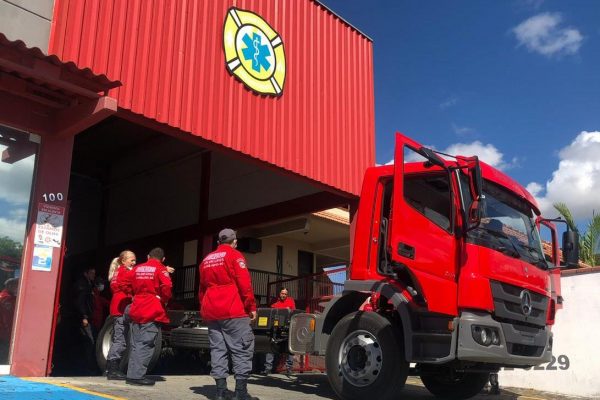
(113, 372)
(241, 391)
(222, 392)
(144, 381)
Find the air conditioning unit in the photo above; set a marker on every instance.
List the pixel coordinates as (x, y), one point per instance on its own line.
(249, 245)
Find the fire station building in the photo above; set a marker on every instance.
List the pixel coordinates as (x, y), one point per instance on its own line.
(134, 124)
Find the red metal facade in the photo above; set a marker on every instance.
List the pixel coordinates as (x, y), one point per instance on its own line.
(169, 57)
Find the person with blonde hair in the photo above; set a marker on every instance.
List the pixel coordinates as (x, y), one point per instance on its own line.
(119, 268)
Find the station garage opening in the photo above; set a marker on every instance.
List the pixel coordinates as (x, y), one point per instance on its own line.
(135, 188)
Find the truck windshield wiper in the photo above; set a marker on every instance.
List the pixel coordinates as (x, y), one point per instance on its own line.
(540, 261)
(532, 249)
(514, 252)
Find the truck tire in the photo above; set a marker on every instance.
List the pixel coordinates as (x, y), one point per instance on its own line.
(454, 387)
(365, 358)
(104, 341)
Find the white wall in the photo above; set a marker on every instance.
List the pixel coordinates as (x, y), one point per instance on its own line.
(265, 260)
(576, 336)
(27, 20)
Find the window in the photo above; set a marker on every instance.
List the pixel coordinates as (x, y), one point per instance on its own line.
(16, 173)
(430, 195)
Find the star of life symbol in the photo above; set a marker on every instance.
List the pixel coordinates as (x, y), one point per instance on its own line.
(254, 52)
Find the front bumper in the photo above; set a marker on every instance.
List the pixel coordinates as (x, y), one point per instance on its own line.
(520, 345)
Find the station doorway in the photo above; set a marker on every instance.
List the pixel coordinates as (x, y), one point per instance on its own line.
(134, 187)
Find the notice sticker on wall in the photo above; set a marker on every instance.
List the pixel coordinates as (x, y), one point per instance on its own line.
(49, 225)
(42, 258)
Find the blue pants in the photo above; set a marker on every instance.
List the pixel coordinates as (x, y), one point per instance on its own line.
(270, 357)
(119, 339)
(233, 337)
(143, 337)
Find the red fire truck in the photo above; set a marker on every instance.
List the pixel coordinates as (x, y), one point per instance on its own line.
(448, 273)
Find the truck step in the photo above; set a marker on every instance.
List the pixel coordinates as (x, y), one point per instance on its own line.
(430, 334)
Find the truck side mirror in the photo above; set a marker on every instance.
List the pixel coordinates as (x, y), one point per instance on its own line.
(570, 249)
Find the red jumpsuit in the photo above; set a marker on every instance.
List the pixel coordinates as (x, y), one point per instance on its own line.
(121, 291)
(287, 303)
(7, 312)
(151, 287)
(225, 287)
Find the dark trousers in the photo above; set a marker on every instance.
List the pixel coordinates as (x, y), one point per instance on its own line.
(143, 337)
(232, 337)
(88, 348)
(119, 338)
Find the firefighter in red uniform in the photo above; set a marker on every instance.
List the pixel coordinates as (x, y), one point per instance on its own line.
(283, 301)
(227, 305)
(119, 269)
(150, 285)
(8, 300)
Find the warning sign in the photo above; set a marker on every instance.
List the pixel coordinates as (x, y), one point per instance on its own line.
(49, 225)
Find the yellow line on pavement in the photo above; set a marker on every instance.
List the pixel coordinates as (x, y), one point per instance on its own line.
(530, 398)
(78, 389)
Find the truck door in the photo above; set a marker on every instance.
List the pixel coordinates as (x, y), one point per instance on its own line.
(422, 225)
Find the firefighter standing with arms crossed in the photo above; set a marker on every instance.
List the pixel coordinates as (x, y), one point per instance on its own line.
(151, 287)
(228, 306)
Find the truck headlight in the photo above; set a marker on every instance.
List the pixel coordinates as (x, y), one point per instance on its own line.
(485, 335)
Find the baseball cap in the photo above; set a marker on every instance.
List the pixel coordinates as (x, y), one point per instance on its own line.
(227, 235)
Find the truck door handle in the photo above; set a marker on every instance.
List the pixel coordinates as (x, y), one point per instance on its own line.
(406, 251)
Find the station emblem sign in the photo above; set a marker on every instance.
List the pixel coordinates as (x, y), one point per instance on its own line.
(254, 52)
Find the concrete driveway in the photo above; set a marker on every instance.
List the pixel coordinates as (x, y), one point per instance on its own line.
(274, 387)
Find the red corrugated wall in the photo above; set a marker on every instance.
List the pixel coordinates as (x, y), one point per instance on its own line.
(169, 56)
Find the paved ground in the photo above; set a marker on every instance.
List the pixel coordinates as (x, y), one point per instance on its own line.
(198, 387)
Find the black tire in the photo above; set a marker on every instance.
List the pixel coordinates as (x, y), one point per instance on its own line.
(446, 385)
(104, 341)
(365, 358)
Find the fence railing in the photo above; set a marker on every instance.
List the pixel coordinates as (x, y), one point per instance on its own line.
(311, 291)
(185, 284)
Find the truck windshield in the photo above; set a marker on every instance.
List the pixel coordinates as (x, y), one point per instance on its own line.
(507, 225)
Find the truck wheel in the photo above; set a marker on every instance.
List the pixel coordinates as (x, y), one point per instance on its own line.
(454, 386)
(365, 358)
(104, 341)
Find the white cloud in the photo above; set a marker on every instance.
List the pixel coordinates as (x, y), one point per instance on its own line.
(13, 224)
(462, 130)
(576, 182)
(535, 4)
(488, 153)
(15, 180)
(452, 101)
(13, 228)
(544, 34)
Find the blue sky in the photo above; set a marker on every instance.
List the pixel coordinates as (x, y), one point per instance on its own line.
(516, 81)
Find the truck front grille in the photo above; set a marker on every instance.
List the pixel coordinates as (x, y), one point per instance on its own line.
(508, 305)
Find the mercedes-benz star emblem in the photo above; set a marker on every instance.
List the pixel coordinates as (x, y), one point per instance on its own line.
(526, 302)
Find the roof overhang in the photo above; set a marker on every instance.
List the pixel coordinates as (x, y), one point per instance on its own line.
(41, 94)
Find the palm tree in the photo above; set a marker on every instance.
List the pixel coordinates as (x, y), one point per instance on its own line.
(588, 241)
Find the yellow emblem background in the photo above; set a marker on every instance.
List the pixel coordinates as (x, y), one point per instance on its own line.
(264, 82)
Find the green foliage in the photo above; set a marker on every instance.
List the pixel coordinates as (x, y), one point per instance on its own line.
(587, 239)
(566, 214)
(10, 248)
